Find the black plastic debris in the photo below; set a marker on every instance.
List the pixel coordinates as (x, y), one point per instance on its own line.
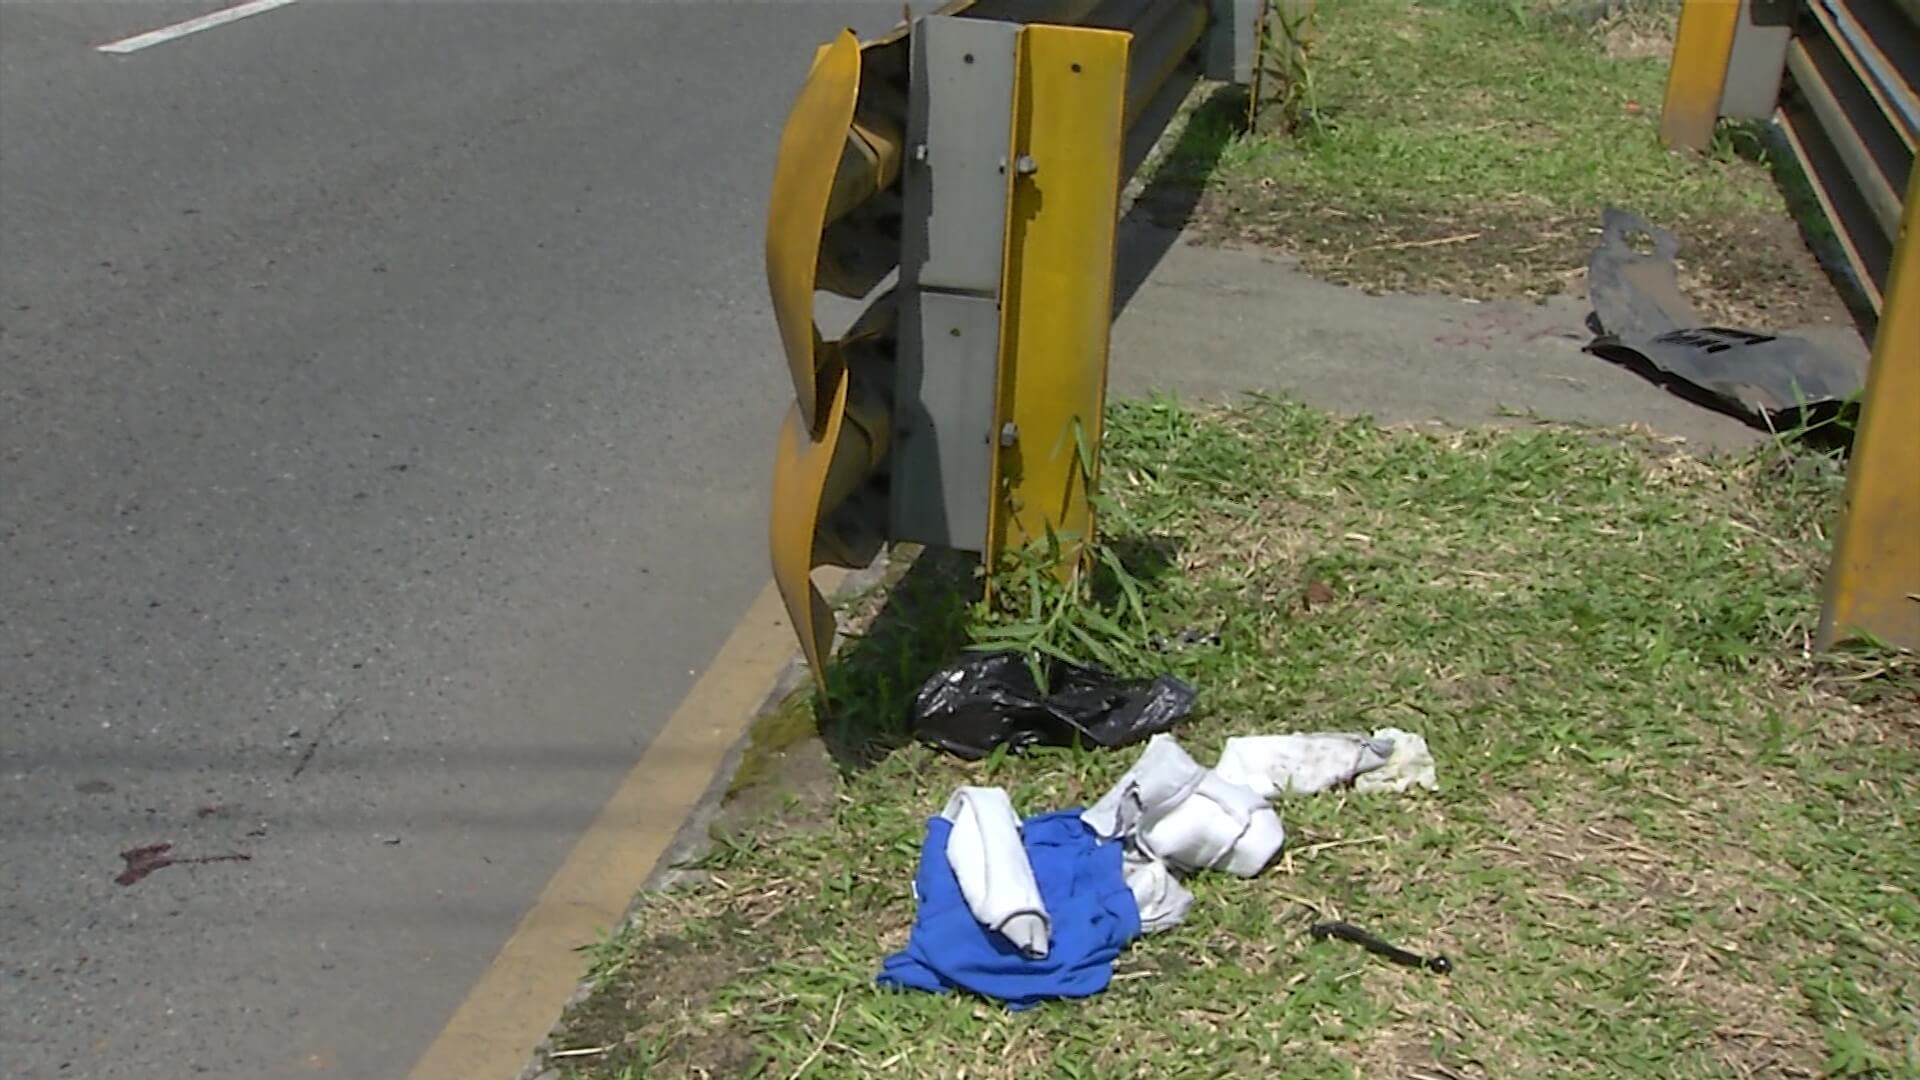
(1772, 381)
(1346, 931)
(987, 700)
(1636, 294)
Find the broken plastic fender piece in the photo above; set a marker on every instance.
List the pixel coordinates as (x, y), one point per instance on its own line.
(987, 700)
(1636, 294)
(1644, 323)
(1755, 376)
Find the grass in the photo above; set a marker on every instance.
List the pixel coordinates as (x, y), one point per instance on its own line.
(1669, 842)
(1470, 146)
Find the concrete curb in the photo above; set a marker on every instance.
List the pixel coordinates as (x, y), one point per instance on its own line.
(693, 839)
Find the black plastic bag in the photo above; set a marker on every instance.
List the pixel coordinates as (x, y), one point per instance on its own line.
(985, 700)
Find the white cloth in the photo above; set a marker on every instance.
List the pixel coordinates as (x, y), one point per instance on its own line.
(988, 859)
(1411, 764)
(1276, 765)
(1162, 900)
(1168, 807)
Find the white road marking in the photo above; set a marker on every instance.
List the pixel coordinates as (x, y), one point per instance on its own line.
(192, 26)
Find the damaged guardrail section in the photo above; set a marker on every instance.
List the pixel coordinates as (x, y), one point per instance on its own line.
(973, 158)
(1841, 78)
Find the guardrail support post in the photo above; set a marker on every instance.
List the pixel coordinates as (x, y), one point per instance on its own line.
(1873, 586)
(1057, 289)
(1698, 77)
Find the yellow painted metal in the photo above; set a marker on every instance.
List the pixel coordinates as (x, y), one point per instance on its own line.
(865, 433)
(1698, 76)
(811, 146)
(830, 160)
(801, 465)
(1852, 221)
(1057, 285)
(1873, 586)
(841, 147)
(869, 164)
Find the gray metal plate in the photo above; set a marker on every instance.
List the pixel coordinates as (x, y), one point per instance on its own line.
(1227, 55)
(1760, 38)
(954, 206)
(943, 422)
(962, 114)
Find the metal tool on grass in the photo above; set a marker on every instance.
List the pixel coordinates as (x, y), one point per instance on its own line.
(1345, 931)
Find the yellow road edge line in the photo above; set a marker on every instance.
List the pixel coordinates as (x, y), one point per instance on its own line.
(515, 1002)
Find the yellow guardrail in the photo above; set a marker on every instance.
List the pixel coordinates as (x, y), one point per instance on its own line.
(1873, 585)
(978, 152)
(1841, 78)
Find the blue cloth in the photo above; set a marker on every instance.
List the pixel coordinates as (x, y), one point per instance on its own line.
(1093, 916)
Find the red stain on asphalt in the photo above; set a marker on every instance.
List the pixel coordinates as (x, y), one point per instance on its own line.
(142, 861)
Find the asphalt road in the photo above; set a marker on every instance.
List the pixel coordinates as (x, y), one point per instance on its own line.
(387, 393)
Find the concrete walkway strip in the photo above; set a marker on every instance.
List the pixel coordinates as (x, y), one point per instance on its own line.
(191, 26)
(517, 999)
